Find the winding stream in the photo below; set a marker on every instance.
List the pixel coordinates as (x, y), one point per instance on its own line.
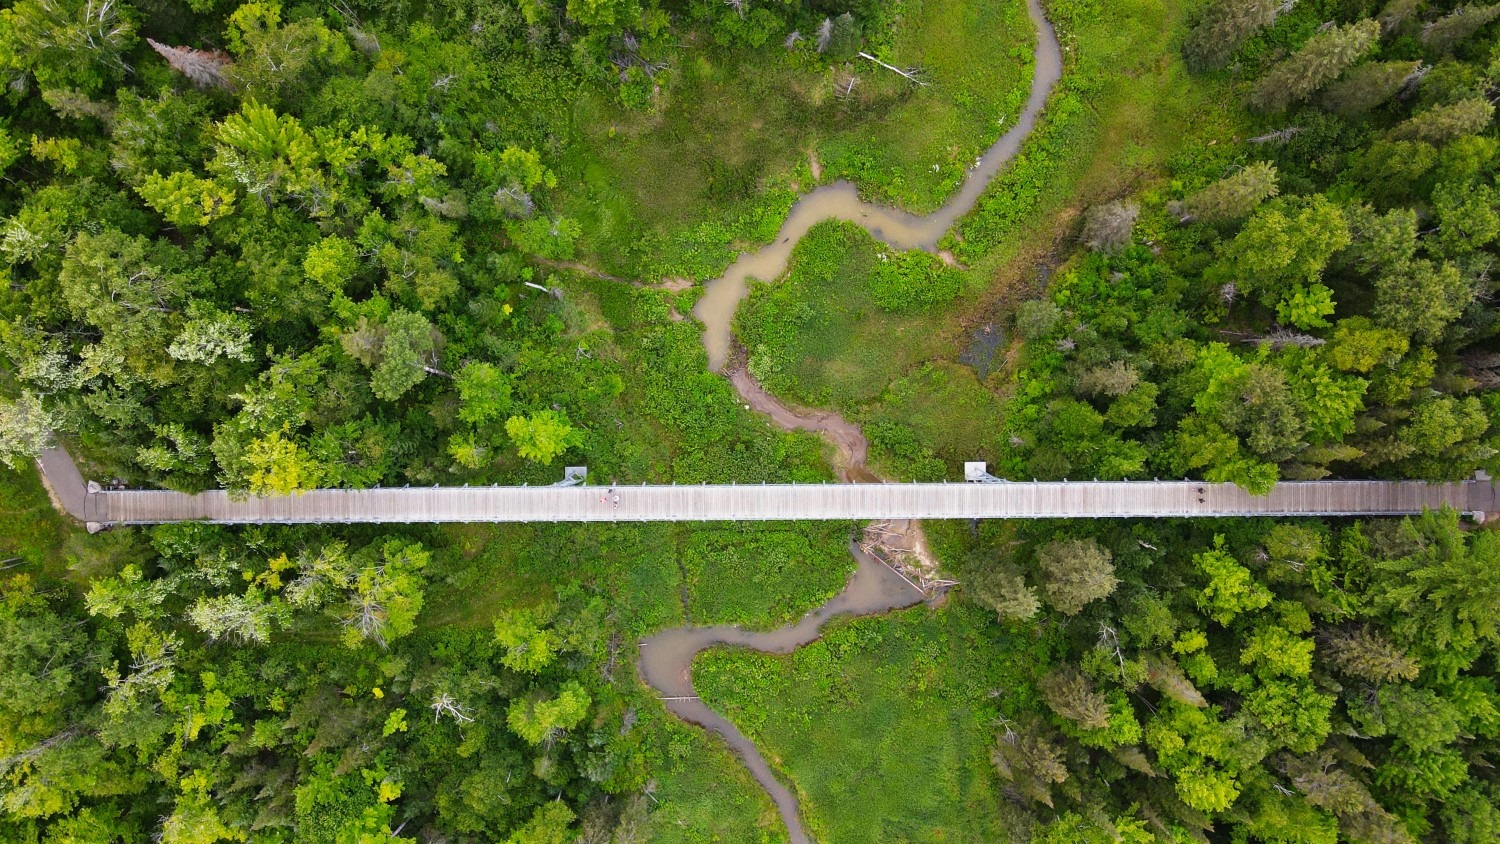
(666, 661)
(892, 226)
(667, 664)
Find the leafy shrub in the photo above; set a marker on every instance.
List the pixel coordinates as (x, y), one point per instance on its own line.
(906, 282)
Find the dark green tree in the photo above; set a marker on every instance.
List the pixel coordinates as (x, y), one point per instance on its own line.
(400, 351)
(1224, 26)
(1366, 86)
(1446, 32)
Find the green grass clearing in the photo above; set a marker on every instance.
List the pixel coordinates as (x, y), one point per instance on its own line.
(883, 727)
(763, 576)
(820, 337)
(705, 795)
(35, 534)
(676, 191)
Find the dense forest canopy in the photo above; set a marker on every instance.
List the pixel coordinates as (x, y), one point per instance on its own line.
(255, 246)
(1313, 302)
(275, 247)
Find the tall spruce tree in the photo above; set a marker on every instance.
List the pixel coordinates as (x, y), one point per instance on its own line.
(1444, 123)
(1071, 695)
(1320, 61)
(1369, 655)
(1224, 27)
(1233, 196)
(1367, 86)
(1447, 31)
(1075, 572)
(1395, 13)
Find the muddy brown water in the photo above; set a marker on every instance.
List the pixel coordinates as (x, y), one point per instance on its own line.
(846, 436)
(666, 662)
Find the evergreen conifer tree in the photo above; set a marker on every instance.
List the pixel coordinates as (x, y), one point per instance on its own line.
(1070, 694)
(1320, 61)
(1369, 655)
(1225, 26)
(1394, 15)
(204, 68)
(1444, 123)
(1003, 589)
(1366, 87)
(1447, 31)
(1075, 572)
(1232, 197)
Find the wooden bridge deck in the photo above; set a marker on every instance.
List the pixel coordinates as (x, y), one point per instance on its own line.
(764, 502)
(783, 502)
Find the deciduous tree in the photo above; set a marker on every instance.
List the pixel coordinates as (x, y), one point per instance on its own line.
(209, 335)
(186, 200)
(279, 465)
(271, 56)
(549, 824)
(1231, 589)
(66, 43)
(1288, 241)
(542, 436)
(539, 719)
(528, 638)
(485, 392)
(245, 618)
(386, 594)
(26, 428)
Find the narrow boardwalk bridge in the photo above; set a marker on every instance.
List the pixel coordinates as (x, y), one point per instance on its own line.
(765, 502)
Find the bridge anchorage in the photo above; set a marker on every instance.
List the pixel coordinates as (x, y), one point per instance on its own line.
(574, 476)
(977, 472)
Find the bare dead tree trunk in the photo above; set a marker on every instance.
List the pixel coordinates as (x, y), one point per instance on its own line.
(909, 76)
